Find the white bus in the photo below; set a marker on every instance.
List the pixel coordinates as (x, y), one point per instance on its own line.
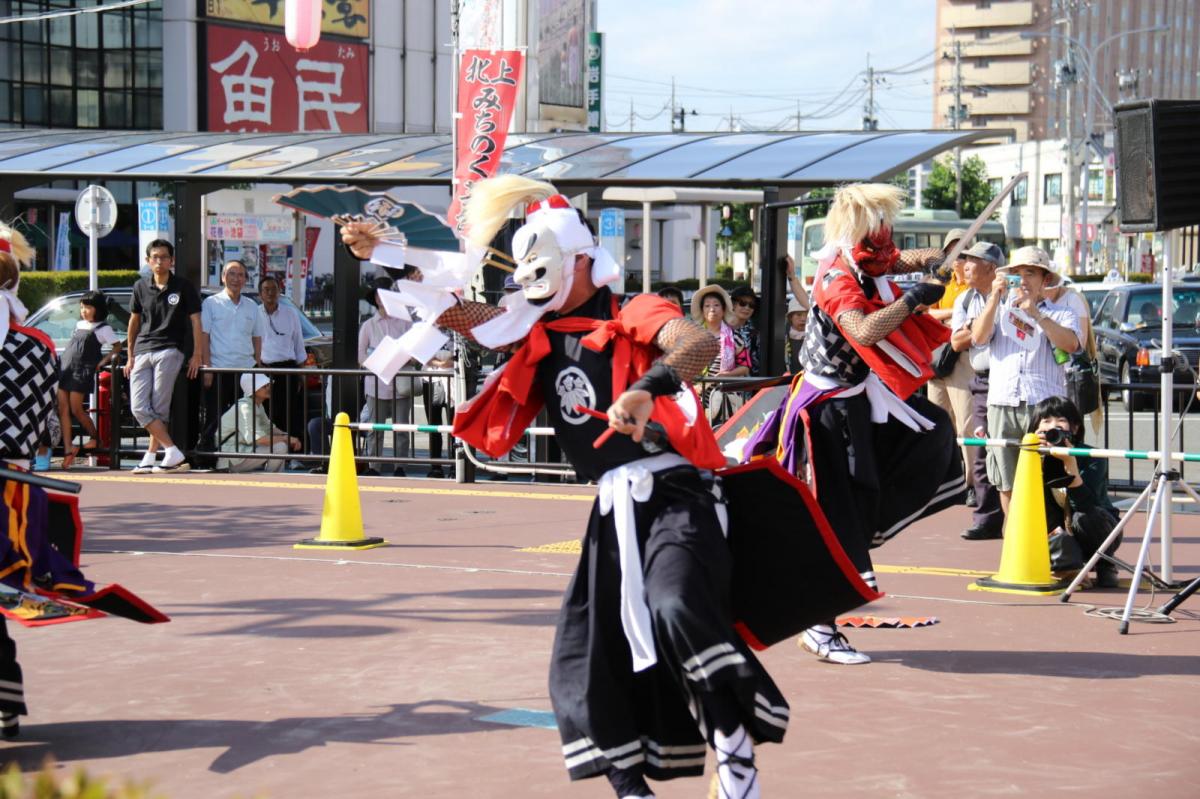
(913, 230)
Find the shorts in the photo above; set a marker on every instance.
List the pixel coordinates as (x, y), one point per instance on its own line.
(1008, 422)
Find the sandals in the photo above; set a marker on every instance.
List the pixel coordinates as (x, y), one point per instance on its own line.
(91, 445)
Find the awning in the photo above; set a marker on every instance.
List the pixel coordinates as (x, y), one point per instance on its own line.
(799, 159)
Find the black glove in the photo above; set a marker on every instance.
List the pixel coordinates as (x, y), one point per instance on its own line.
(923, 294)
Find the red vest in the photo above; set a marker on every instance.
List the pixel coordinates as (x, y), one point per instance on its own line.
(906, 367)
(494, 420)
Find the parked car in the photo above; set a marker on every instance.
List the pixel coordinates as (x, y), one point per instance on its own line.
(58, 318)
(1128, 327)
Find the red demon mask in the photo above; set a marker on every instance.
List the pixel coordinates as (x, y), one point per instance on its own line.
(877, 253)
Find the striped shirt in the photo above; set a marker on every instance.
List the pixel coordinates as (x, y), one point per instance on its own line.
(1023, 368)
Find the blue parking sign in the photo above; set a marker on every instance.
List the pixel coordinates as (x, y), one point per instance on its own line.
(153, 215)
(612, 223)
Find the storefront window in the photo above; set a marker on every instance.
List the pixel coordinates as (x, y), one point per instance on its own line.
(56, 65)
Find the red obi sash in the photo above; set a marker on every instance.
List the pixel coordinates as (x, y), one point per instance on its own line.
(494, 420)
(902, 359)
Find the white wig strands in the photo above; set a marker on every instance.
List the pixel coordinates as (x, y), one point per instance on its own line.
(492, 201)
(860, 209)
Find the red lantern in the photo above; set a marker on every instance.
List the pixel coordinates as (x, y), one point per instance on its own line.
(302, 23)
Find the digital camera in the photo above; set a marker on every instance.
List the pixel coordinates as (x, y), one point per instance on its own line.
(1057, 437)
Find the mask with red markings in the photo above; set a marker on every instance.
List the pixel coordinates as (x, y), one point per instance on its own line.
(876, 254)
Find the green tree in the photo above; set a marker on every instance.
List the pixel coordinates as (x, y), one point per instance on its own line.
(940, 190)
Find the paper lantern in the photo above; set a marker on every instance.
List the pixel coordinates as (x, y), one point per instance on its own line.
(302, 23)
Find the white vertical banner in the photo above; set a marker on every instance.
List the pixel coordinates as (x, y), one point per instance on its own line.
(62, 243)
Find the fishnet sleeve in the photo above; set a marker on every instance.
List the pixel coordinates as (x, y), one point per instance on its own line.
(926, 259)
(687, 347)
(465, 315)
(869, 329)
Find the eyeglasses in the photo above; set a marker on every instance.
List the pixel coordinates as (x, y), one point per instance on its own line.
(744, 304)
(157, 257)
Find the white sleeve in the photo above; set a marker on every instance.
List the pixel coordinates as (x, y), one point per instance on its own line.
(105, 335)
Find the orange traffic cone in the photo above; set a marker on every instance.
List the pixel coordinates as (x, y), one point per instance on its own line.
(341, 519)
(1025, 558)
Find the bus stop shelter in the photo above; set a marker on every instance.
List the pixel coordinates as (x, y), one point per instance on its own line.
(782, 166)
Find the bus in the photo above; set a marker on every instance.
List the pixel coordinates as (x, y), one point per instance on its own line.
(913, 229)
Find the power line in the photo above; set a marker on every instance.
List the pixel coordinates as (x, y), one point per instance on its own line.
(75, 11)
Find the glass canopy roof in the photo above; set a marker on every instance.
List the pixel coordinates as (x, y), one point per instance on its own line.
(584, 159)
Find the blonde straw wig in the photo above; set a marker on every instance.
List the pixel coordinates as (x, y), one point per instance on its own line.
(15, 253)
(861, 209)
(492, 201)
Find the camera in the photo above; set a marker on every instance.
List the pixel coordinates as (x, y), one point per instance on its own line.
(1014, 281)
(1057, 437)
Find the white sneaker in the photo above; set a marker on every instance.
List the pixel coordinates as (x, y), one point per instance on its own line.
(831, 646)
(736, 777)
(182, 466)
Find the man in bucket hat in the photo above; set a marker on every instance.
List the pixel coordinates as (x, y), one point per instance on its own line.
(1030, 338)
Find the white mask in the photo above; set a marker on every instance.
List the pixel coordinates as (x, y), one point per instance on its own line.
(544, 272)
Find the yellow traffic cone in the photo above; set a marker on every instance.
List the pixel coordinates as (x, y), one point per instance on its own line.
(1025, 558)
(341, 520)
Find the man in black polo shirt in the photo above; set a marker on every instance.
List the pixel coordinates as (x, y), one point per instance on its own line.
(164, 306)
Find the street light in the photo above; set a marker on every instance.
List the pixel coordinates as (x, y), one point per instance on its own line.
(1088, 56)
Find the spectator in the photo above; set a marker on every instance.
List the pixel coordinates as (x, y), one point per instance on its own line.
(245, 427)
(77, 377)
(1026, 332)
(282, 348)
(745, 303)
(951, 390)
(1079, 514)
(170, 308)
(982, 261)
(788, 264)
(711, 307)
(232, 337)
(385, 402)
(797, 318)
(672, 294)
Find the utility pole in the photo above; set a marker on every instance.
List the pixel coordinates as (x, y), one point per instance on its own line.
(672, 103)
(731, 119)
(869, 121)
(631, 115)
(797, 115)
(958, 120)
(1066, 78)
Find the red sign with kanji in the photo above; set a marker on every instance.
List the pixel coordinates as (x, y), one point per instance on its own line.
(487, 94)
(258, 82)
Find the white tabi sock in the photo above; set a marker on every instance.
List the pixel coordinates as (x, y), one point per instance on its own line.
(737, 778)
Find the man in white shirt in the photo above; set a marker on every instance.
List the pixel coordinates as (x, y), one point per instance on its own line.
(982, 261)
(231, 336)
(1027, 333)
(282, 348)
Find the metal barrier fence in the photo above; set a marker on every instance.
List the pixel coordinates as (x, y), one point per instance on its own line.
(427, 408)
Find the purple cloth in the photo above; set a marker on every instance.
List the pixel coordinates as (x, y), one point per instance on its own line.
(785, 426)
(50, 570)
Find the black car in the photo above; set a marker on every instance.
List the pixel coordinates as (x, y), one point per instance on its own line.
(1128, 327)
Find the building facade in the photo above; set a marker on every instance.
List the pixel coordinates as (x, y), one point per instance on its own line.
(1016, 68)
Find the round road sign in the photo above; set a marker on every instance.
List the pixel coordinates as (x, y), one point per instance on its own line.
(96, 211)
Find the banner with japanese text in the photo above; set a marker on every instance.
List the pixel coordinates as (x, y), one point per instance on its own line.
(487, 95)
(339, 17)
(257, 82)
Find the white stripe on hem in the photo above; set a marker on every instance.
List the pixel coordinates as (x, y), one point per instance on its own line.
(712, 667)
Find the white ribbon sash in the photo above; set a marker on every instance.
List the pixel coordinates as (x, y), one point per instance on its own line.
(620, 487)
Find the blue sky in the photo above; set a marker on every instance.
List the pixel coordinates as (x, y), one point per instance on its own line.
(759, 58)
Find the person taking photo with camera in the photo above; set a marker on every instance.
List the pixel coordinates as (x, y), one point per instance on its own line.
(1030, 339)
(1079, 514)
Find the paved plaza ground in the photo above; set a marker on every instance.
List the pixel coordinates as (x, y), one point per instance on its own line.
(419, 669)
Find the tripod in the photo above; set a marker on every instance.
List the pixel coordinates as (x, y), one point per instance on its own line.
(1166, 477)
(1162, 486)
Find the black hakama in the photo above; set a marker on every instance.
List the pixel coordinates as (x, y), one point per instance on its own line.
(657, 720)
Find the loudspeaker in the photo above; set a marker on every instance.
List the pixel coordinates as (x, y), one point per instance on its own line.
(1158, 164)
